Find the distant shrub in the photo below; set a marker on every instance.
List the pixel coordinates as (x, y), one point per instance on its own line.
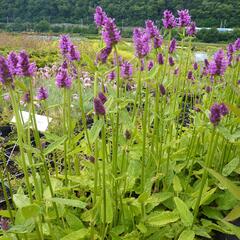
(42, 26)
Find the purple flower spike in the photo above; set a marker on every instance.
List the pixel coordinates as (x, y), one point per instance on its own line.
(237, 44)
(150, 65)
(217, 110)
(42, 93)
(102, 97)
(190, 75)
(184, 18)
(168, 20)
(219, 65)
(191, 29)
(160, 59)
(141, 43)
(12, 62)
(208, 89)
(24, 67)
(173, 45)
(102, 56)
(110, 33)
(162, 89)
(62, 79)
(224, 109)
(126, 70)
(5, 73)
(74, 54)
(151, 29)
(99, 17)
(157, 41)
(99, 107)
(176, 71)
(171, 61)
(64, 44)
(195, 66)
(112, 75)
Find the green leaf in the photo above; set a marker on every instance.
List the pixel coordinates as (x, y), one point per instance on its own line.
(5, 213)
(142, 228)
(143, 197)
(69, 202)
(55, 145)
(74, 222)
(234, 214)
(232, 188)
(31, 211)
(95, 130)
(109, 207)
(21, 200)
(77, 235)
(177, 184)
(184, 212)
(187, 235)
(162, 218)
(230, 167)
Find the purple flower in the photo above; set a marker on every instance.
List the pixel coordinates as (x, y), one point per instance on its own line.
(217, 110)
(238, 82)
(42, 93)
(176, 71)
(223, 109)
(208, 89)
(206, 63)
(111, 35)
(150, 65)
(151, 29)
(168, 20)
(157, 41)
(64, 65)
(98, 106)
(171, 61)
(237, 44)
(5, 72)
(195, 66)
(74, 54)
(102, 97)
(190, 75)
(4, 223)
(141, 43)
(62, 79)
(126, 70)
(191, 29)
(24, 67)
(160, 59)
(99, 17)
(219, 65)
(64, 44)
(184, 19)
(112, 75)
(173, 45)
(162, 89)
(230, 52)
(102, 56)
(12, 62)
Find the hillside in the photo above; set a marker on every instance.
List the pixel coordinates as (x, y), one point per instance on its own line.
(208, 13)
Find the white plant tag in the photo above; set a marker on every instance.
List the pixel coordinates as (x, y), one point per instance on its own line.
(41, 120)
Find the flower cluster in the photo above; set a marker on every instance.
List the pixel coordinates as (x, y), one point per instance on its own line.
(172, 46)
(126, 70)
(219, 64)
(98, 103)
(169, 20)
(184, 19)
(68, 50)
(42, 94)
(12, 62)
(99, 17)
(5, 72)
(218, 111)
(24, 67)
(141, 42)
(62, 79)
